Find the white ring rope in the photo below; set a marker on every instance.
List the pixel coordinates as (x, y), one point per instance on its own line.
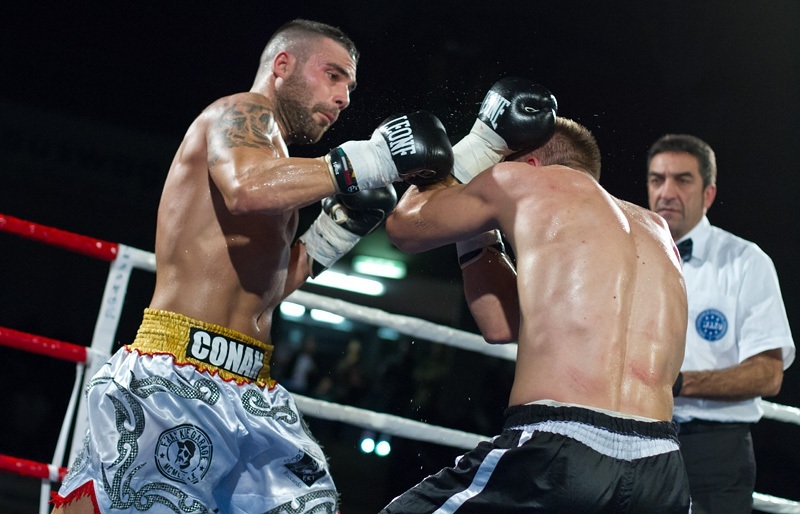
(384, 423)
(767, 503)
(780, 412)
(387, 423)
(405, 325)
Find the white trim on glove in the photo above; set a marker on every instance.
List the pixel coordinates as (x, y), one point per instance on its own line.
(326, 241)
(482, 148)
(371, 161)
(474, 247)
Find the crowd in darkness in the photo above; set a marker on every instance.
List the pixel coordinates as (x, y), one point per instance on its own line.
(407, 377)
(404, 377)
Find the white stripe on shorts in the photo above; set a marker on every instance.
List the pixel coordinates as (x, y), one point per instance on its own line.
(482, 476)
(618, 446)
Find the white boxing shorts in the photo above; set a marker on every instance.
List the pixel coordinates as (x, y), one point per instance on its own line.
(187, 420)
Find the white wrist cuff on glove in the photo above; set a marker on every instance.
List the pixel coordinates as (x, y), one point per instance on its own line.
(326, 242)
(480, 149)
(470, 250)
(371, 161)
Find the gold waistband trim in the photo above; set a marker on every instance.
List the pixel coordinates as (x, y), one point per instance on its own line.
(206, 346)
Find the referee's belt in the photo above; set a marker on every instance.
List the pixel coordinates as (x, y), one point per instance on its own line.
(697, 426)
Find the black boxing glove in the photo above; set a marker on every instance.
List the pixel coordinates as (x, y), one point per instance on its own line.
(412, 147)
(343, 221)
(473, 248)
(516, 114)
(678, 385)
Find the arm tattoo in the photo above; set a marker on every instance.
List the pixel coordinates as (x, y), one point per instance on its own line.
(245, 124)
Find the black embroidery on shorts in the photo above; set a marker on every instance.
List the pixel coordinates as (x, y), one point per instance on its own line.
(184, 454)
(254, 403)
(306, 468)
(203, 389)
(328, 498)
(118, 475)
(81, 458)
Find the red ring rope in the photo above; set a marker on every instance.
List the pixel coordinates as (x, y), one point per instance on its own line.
(29, 468)
(90, 246)
(42, 345)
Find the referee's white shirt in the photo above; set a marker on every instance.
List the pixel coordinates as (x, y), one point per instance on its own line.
(735, 311)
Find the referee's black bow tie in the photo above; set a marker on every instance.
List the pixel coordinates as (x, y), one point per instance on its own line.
(685, 249)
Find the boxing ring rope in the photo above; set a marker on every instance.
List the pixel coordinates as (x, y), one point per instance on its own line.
(124, 259)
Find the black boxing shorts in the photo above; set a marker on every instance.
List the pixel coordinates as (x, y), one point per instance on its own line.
(560, 459)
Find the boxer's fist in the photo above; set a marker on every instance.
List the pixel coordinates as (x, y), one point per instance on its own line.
(678, 385)
(473, 248)
(520, 112)
(412, 147)
(419, 147)
(343, 221)
(362, 212)
(516, 114)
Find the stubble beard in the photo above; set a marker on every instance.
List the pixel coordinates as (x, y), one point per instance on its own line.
(293, 98)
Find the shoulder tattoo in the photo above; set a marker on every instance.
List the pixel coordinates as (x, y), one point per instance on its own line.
(246, 124)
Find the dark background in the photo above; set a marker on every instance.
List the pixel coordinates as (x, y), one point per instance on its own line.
(95, 97)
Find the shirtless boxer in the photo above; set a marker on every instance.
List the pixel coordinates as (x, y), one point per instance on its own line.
(186, 419)
(598, 307)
